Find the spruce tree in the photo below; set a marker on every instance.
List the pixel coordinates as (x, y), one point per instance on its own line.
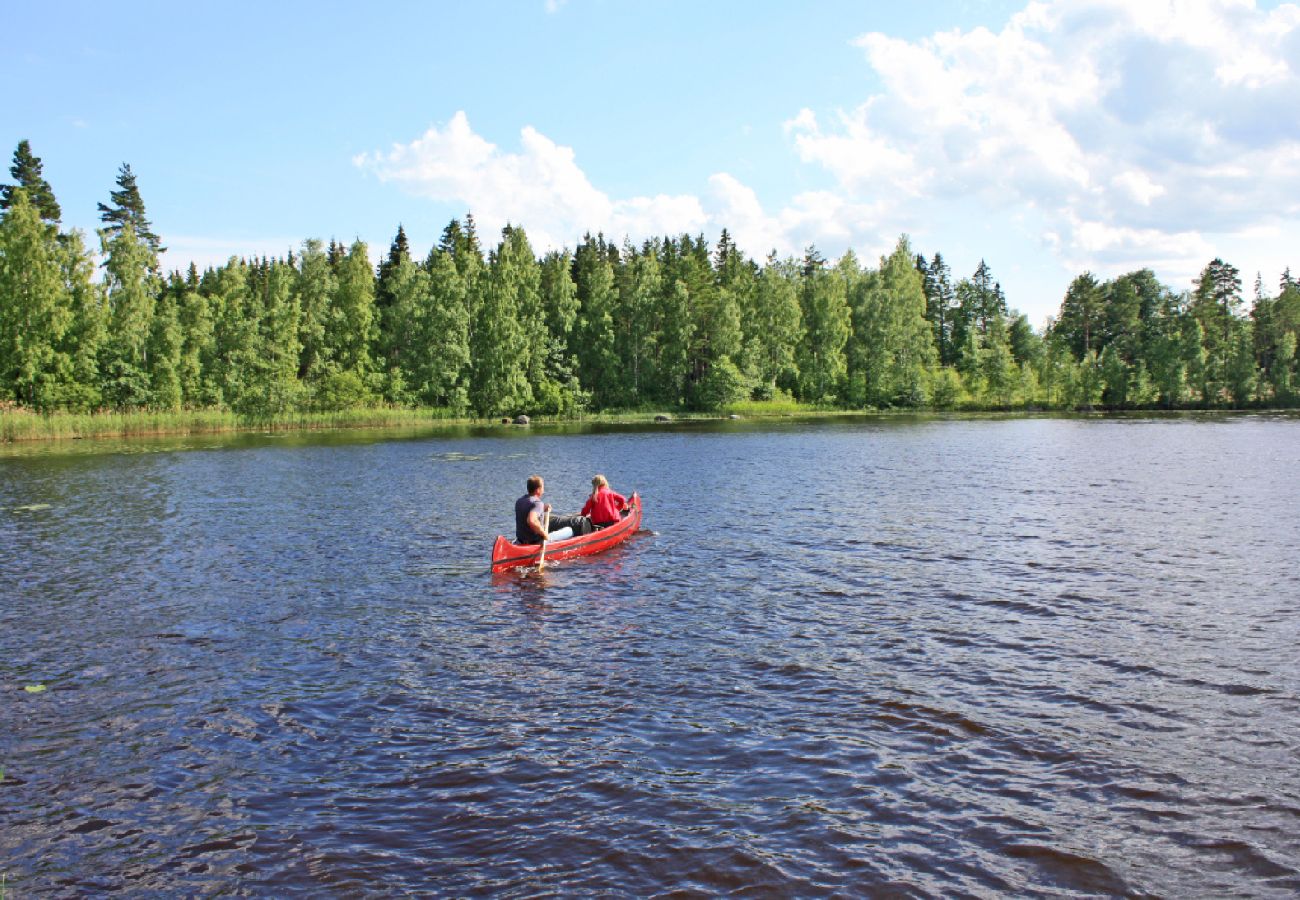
(127, 208)
(399, 250)
(26, 171)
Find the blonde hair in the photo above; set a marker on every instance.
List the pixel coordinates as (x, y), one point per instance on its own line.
(597, 483)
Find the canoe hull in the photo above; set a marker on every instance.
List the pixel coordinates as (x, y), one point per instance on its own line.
(506, 554)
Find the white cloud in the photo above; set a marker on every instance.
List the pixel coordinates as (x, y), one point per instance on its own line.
(1085, 134)
(1136, 132)
(541, 187)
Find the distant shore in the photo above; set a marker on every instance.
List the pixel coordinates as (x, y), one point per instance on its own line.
(19, 425)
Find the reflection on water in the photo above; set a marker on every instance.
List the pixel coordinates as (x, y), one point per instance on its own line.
(922, 657)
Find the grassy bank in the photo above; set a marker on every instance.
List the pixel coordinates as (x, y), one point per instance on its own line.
(23, 425)
(17, 424)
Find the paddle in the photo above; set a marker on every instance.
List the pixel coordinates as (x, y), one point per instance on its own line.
(546, 526)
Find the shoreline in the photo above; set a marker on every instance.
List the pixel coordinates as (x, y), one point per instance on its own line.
(26, 427)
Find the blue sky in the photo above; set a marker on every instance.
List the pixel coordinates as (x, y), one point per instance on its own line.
(1045, 137)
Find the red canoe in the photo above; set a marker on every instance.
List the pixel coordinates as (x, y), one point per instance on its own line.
(506, 554)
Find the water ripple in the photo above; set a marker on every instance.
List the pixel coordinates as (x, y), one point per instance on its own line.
(280, 667)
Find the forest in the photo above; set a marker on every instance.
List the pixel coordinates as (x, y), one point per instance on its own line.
(491, 328)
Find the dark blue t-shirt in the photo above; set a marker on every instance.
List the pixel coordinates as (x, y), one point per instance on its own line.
(524, 534)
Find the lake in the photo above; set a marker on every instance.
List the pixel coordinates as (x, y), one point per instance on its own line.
(917, 656)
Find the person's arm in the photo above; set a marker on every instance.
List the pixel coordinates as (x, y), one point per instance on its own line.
(535, 522)
(589, 507)
(621, 500)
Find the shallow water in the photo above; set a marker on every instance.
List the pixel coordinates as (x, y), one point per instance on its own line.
(921, 657)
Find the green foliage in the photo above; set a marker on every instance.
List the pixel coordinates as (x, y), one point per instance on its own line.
(125, 211)
(503, 349)
(1081, 315)
(26, 172)
(722, 385)
(342, 390)
(892, 345)
(671, 324)
(827, 321)
(35, 309)
(945, 387)
(349, 326)
(774, 327)
(1282, 370)
(132, 298)
(998, 366)
(595, 287)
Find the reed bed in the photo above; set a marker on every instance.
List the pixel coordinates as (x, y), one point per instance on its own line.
(25, 425)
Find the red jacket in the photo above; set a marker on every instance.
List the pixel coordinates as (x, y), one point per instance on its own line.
(604, 507)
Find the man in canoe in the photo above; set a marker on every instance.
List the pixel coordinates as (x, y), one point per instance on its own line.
(530, 516)
(604, 506)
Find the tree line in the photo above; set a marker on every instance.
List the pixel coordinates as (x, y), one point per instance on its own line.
(669, 323)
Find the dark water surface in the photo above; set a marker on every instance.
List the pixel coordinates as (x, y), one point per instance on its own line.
(917, 658)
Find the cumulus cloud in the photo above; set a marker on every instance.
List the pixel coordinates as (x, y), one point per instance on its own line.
(540, 187)
(1108, 134)
(1133, 131)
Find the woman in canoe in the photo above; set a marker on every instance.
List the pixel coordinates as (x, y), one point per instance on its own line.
(604, 507)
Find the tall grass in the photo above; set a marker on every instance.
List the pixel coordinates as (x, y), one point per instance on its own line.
(24, 425)
(778, 406)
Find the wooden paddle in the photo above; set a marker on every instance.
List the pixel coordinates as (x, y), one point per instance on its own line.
(546, 526)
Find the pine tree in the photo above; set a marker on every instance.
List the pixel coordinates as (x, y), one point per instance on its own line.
(1216, 302)
(128, 209)
(26, 171)
(1026, 345)
(398, 251)
(1081, 316)
(940, 300)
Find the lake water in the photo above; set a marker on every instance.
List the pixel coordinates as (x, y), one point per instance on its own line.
(915, 657)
